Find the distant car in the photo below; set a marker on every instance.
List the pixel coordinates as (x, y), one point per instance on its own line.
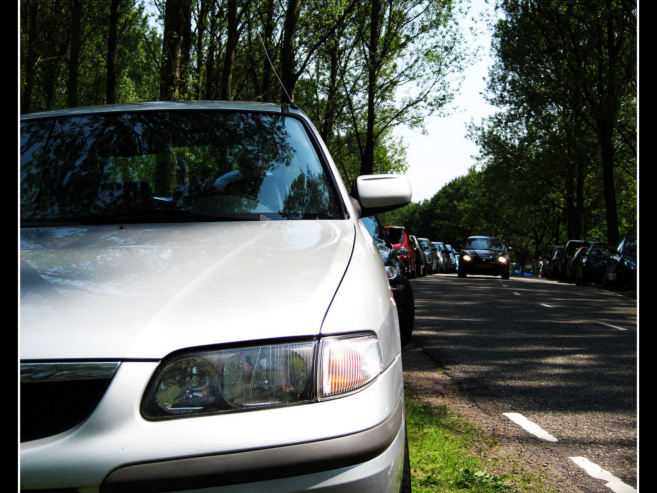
(431, 254)
(420, 257)
(574, 263)
(399, 238)
(447, 262)
(402, 289)
(569, 251)
(551, 264)
(453, 257)
(621, 266)
(183, 331)
(484, 255)
(591, 264)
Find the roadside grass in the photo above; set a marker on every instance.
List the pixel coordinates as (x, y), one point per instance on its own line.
(449, 454)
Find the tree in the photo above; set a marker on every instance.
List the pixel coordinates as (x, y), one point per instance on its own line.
(579, 56)
(176, 27)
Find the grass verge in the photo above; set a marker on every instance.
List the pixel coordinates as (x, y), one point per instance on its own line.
(449, 454)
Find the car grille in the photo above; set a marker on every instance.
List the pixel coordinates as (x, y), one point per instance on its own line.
(56, 397)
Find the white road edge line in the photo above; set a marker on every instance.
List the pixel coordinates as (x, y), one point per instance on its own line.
(612, 326)
(532, 428)
(595, 471)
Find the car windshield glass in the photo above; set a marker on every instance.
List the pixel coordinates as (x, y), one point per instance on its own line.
(484, 244)
(630, 248)
(396, 235)
(170, 166)
(372, 226)
(424, 243)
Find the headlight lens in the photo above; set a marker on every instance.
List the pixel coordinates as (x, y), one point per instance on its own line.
(268, 375)
(392, 272)
(202, 382)
(467, 257)
(502, 260)
(348, 363)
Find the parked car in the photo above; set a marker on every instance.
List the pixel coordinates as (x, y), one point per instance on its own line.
(400, 241)
(453, 265)
(574, 263)
(400, 285)
(569, 250)
(154, 354)
(447, 263)
(484, 255)
(431, 255)
(420, 257)
(591, 264)
(551, 264)
(621, 267)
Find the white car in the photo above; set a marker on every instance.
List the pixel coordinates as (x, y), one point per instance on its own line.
(200, 306)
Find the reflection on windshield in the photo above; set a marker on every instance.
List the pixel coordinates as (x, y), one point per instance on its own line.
(169, 166)
(484, 244)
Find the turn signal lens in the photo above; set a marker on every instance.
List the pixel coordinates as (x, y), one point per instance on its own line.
(348, 363)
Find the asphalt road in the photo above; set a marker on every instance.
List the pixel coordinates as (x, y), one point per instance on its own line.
(562, 357)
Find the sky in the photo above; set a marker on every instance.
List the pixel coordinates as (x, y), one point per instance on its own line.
(445, 153)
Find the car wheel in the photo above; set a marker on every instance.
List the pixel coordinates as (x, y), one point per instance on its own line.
(407, 315)
(462, 273)
(505, 274)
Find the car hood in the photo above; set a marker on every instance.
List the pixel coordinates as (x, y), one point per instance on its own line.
(485, 253)
(142, 291)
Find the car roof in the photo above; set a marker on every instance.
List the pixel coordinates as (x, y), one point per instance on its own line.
(168, 106)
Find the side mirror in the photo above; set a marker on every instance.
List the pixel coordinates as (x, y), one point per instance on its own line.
(381, 193)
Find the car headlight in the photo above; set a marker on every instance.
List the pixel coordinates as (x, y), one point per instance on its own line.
(200, 382)
(467, 257)
(392, 272)
(502, 260)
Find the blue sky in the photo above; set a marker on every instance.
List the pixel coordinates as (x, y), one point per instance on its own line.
(445, 153)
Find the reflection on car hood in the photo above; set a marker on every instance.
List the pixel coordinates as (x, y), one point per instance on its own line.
(485, 253)
(146, 290)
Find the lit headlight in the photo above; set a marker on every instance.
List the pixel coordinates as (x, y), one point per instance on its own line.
(269, 375)
(502, 260)
(467, 257)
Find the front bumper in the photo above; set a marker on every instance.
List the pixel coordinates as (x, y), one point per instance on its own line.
(354, 441)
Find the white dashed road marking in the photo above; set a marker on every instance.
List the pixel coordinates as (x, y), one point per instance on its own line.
(517, 294)
(595, 471)
(612, 326)
(545, 305)
(532, 428)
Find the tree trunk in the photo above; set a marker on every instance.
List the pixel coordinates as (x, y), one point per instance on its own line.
(287, 51)
(30, 63)
(226, 89)
(174, 29)
(367, 159)
(111, 51)
(200, 46)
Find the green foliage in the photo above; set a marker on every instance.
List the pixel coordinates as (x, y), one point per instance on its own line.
(347, 85)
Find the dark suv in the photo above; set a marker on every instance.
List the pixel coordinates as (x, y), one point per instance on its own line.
(484, 255)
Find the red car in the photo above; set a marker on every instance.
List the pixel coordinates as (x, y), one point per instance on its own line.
(400, 241)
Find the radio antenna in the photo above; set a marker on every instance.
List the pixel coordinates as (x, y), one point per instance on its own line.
(274, 70)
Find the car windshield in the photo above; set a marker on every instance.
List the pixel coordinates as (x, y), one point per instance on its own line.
(630, 248)
(424, 243)
(484, 244)
(157, 166)
(396, 235)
